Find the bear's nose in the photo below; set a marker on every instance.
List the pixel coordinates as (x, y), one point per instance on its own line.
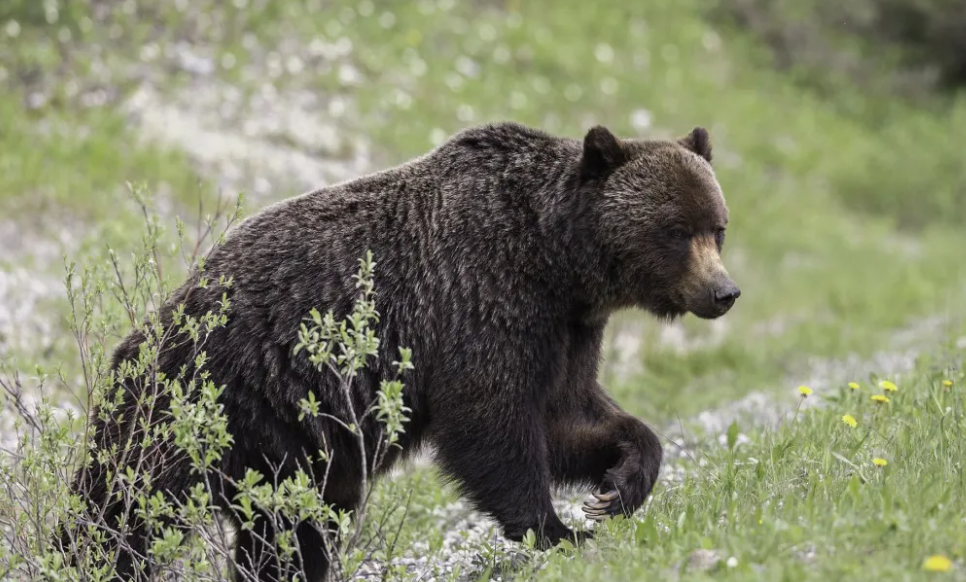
(726, 295)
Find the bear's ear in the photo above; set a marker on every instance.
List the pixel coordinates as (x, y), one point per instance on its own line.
(603, 153)
(699, 142)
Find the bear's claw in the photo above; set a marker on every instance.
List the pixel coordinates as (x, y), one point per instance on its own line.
(607, 496)
(607, 505)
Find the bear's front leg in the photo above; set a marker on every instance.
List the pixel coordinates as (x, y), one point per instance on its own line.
(625, 486)
(492, 441)
(597, 443)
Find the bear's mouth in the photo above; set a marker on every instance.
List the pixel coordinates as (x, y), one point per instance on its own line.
(709, 314)
(711, 310)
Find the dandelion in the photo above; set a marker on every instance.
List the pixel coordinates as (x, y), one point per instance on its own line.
(805, 391)
(849, 420)
(937, 563)
(947, 383)
(854, 385)
(888, 386)
(880, 398)
(879, 462)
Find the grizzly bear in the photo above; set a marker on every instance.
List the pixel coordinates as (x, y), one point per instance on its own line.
(501, 255)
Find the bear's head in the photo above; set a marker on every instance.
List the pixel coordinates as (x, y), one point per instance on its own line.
(662, 219)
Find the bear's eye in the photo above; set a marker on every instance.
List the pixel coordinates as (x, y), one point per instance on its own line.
(719, 237)
(678, 233)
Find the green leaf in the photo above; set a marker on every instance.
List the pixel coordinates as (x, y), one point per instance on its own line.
(854, 486)
(732, 435)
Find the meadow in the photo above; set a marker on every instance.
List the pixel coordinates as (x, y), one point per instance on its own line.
(816, 432)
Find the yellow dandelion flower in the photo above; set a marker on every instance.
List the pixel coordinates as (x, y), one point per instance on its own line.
(888, 386)
(849, 420)
(880, 398)
(937, 563)
(854, 385)
(805, 391)
(947, 383)
(879, 462)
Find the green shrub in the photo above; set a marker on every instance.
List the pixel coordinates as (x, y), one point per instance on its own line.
(38, 503)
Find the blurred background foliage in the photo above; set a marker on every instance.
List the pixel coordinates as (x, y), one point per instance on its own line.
(893, 67)
(836, 128)
(909, 47)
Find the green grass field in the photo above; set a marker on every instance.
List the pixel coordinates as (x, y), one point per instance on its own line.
(846, 235)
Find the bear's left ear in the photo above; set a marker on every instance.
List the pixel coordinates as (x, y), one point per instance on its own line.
(699, 142)
(603, 153)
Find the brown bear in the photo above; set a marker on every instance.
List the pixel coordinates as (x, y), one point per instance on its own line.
(501, 255)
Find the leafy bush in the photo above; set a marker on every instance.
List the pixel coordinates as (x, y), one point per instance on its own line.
(47, 531)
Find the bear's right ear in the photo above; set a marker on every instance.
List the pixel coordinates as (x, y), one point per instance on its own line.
(699, 142)
(603, 153)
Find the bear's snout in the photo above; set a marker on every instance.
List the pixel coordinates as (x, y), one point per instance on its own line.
(708, 290)
(725, 293)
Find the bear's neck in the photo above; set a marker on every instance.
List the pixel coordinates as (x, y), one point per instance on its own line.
(570, 226)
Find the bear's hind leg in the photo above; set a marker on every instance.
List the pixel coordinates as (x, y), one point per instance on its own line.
(113, 502)
(315, 558)
(258, 556)
(255, 552)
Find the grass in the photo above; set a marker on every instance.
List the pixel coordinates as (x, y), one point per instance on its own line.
(803, 501)
(846, 225)
(77, 162)
(807, 501)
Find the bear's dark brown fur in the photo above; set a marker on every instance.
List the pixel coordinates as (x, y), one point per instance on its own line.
(501, 254)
